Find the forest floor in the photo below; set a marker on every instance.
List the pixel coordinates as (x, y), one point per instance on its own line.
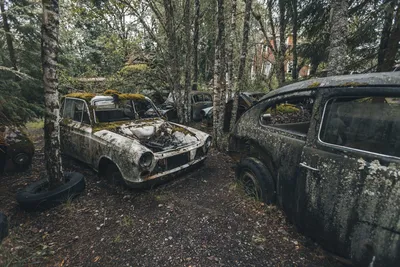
(201, 218)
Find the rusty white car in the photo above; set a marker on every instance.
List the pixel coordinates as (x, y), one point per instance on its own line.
(122, 138)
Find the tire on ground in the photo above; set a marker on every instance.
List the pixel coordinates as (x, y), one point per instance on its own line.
(263, 183)
(3, 226)
(37, 197)
(22, 161)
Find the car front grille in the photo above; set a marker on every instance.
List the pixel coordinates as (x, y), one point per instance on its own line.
(176, 161)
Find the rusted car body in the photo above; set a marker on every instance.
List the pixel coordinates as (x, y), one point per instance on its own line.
(119, 131)
(327, 151)
(199, 101)
(16, 149)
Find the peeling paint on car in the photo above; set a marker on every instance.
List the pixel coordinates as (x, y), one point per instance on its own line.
(125, 142)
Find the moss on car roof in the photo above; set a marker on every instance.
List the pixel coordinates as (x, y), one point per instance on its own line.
(122, 96)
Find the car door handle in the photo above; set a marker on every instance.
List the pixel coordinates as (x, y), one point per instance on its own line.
(302, 164)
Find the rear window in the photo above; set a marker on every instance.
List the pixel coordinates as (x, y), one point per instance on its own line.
(370, 123)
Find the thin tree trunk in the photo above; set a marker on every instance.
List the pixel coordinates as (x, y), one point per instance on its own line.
(385, 35)
(338, 37)
(294, 49)
(6, 27)
(282, 42)
(242, 64)
(186, 104)
(50, 29)
(196, 45)
(222, 73)
(219, 75)
(231, 46)
(393, 44)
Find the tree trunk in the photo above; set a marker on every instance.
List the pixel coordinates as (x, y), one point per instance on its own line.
(7, 31)
(186, 103)
(338, 37)
(390, 39)
(219, 77)
(282, 42)
(196, 45)
(50, 29)
(294, 49)
(242, 64)
(231, 46)
(174, 62)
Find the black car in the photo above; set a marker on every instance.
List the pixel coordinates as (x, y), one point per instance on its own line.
(327, 151)
(16, 149)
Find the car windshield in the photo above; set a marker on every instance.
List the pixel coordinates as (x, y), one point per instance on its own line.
(109, 111)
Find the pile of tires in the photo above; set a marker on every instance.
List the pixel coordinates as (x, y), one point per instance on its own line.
(38, 196)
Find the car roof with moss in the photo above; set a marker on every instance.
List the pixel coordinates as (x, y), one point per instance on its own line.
(89, 96)
(357, 80)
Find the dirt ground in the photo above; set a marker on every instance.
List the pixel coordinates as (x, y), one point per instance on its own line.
(200, 218)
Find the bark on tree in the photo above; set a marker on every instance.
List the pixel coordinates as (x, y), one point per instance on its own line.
(282, 42)
(338, 37)
(186, 105)
(294, 48)
(242, 63)
(219, 78)
(390, 37)
(50, 30)
(7, 31)
(231, 46)
(196, 45)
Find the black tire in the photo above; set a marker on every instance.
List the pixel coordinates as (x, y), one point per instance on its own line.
(257, 180)
(36, 197)
(22, 161)
(3, 226)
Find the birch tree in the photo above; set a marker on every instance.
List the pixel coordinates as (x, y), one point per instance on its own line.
(338, 37)
(219, 77)
(196, 44)
(50, 30)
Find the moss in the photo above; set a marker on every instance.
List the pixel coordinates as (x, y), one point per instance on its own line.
(109, 126)
(133, 68)
(111, 92)
(124, 96)
(285, 108)
(314, 85)
(85, 96)
(66, 121)
(182, 130)
(353, 84)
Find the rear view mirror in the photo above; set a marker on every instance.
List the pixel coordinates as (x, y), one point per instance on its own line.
(266, 118)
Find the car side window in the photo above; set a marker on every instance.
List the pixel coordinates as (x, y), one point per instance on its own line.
(76, 110)
(291, 115)
(197, 98)
(207, 97)
(369, 123)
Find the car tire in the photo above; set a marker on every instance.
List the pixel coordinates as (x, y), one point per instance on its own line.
(3, 226)
(37, 197)
(22, 161)
(256, 179)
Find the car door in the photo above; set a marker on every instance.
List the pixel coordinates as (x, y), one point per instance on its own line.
(284, 123)
(348, 189)
(76, 129)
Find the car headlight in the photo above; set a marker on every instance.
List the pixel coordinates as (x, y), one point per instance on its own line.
(146, 160)
(207, 144)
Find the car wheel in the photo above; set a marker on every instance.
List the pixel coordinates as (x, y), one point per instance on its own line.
(38, 196)
(3, 226)
(112, 174)
(22, 161)
(256, 180)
